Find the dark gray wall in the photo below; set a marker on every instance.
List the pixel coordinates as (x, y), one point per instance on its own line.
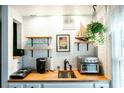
(4, 45)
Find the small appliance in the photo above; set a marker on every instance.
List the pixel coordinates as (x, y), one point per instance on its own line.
(41, 64)
(88, 64)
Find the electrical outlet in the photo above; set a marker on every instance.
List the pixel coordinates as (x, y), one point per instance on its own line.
(58, 67)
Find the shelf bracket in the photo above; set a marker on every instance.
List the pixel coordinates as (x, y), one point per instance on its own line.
(48, 53)
(32, 46)
(78, 46)
(48, 41)
(48, 45)
(87, 46)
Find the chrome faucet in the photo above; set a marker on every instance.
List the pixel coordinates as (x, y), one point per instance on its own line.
(65, 64)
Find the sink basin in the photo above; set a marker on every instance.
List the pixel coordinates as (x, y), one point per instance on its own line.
(66, 74)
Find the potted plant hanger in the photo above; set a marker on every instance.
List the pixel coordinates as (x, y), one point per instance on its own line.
(95, 33)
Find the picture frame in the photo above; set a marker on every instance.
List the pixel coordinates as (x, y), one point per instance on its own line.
(63, 43)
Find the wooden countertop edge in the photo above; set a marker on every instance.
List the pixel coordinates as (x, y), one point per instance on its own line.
(56, 80)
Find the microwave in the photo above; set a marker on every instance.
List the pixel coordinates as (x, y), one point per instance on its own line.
(89, 68)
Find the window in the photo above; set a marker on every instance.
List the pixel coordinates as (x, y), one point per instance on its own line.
(122, 42)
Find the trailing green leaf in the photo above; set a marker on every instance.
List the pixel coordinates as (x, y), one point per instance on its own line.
(95, 31)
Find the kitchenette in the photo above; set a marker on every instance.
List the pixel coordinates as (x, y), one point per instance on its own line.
(88, 75)
(51, 80)
(51, 49)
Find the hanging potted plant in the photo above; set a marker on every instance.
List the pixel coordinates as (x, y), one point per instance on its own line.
(95, 33)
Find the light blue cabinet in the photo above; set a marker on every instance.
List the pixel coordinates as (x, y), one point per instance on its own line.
(25, 85)
(68, 85)
(101, 85)
(15, 85)
(32, 85)
(98, 84)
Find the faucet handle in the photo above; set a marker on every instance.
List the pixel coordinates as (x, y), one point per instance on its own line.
(70, 67)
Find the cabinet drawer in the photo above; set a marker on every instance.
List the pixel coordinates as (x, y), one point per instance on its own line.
(32, 85)
(68, 85)
(15, 85)
(102, 85)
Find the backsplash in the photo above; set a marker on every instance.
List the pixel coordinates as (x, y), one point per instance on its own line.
(58, 58)
(32, 27)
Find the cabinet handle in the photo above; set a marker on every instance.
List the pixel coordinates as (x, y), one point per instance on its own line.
(42, 86)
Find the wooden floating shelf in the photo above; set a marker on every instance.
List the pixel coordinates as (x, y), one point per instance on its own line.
(80, 42)
(39, 37)
(81, 38)
(38, 49)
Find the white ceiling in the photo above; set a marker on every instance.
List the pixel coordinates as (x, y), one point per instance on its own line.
(43, 10)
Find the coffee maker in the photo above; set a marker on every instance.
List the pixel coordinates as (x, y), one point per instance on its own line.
(41, 64)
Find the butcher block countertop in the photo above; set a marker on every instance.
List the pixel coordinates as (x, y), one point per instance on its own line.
(53, 77)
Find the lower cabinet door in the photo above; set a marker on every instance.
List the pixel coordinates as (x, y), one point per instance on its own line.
(68, 85)
(14, 85)
(32, 85)
(102, 85)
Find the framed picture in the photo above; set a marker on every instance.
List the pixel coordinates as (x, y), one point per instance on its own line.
(62, 42)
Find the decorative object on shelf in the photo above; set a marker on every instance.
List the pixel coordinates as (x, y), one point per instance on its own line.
(39, 45)
(81, 36)
(63, 43)
(82, 31)
(95, 33)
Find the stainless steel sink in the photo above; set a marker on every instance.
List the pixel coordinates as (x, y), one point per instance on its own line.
(66, 74)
